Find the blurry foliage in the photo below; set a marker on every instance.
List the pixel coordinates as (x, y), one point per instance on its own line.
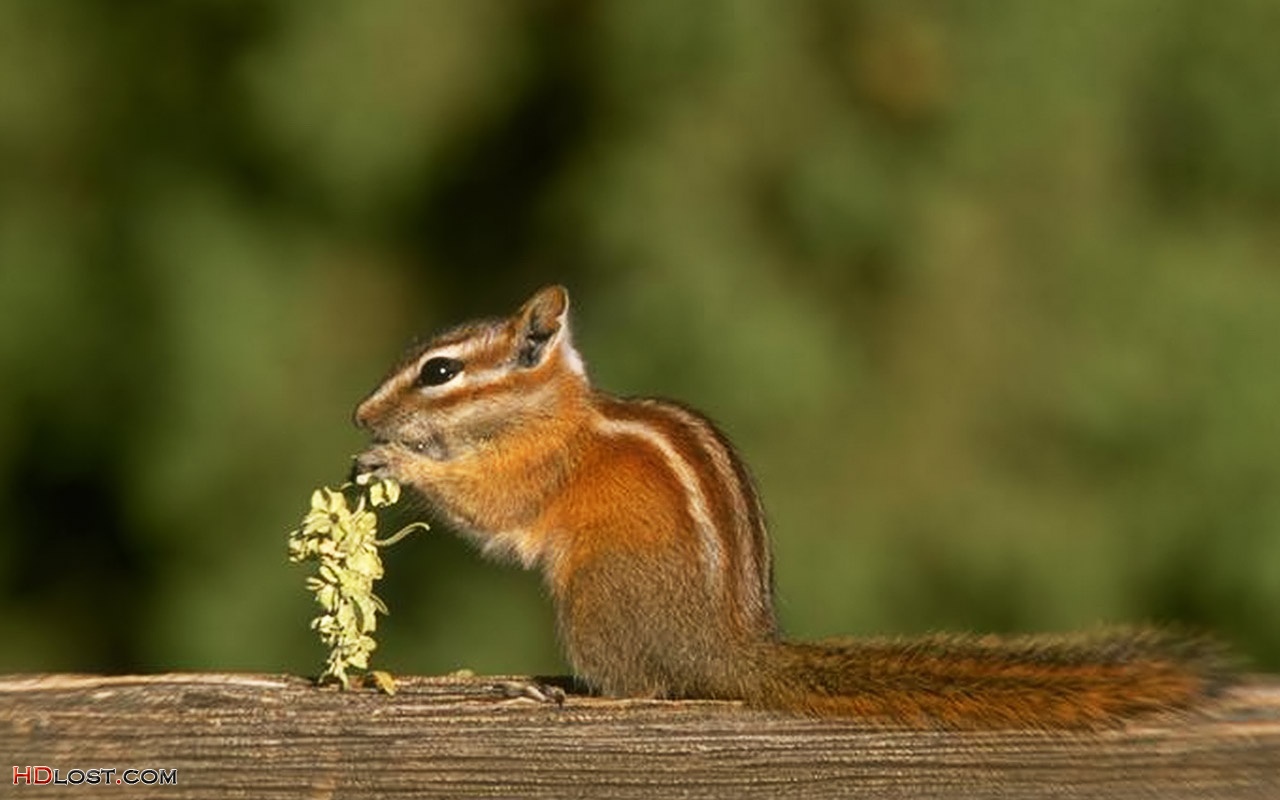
(986, 292)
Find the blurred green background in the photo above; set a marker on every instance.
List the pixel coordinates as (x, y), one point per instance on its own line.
(988, 294)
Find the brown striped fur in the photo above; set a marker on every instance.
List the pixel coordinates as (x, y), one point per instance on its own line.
(651, 537)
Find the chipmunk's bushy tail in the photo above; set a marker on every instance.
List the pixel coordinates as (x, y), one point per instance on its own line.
(1077, 681)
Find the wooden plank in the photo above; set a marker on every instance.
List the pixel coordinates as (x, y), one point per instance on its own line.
(264, 736)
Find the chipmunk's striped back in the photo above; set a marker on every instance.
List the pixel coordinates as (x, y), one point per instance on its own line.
(725, 515)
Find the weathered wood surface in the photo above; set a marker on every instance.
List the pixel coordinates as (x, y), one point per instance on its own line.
(263, 736)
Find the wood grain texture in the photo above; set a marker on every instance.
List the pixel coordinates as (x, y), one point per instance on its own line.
(264, 736)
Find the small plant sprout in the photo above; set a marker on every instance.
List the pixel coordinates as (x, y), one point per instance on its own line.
(344, 542)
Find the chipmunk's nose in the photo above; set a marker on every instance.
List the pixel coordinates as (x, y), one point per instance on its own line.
(364, 414)
(377, 409)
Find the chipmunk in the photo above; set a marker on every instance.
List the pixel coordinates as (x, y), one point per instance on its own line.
(651, 538)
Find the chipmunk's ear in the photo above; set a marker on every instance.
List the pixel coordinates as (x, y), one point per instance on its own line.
(540, 323)
(544, 314)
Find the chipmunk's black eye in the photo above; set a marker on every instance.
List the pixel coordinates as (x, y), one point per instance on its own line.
(438, 370)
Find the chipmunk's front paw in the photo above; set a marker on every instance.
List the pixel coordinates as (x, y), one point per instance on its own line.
(379, 461)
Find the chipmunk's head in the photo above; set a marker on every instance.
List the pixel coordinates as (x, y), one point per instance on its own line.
(475, 381)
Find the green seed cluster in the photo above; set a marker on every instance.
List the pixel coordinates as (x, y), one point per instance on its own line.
(344, 541)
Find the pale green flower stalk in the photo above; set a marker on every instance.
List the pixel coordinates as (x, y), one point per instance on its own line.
(344, 541)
